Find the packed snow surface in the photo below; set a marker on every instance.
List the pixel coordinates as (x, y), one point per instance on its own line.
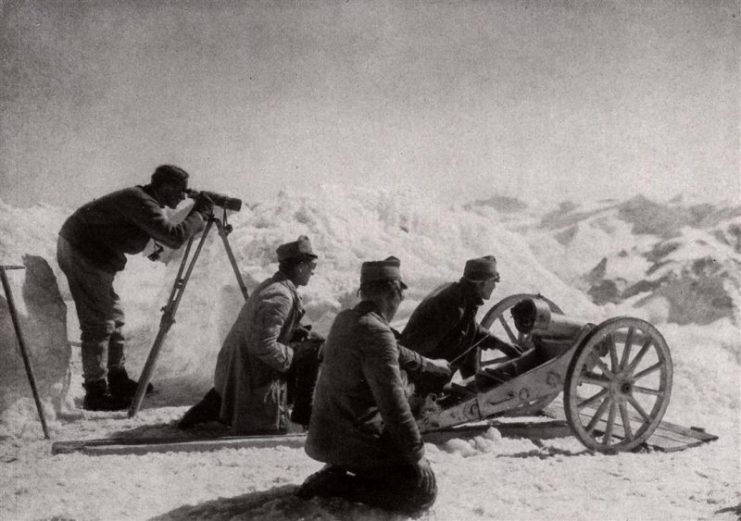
(486, 476)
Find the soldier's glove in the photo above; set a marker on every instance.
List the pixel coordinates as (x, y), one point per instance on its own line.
(204, 205)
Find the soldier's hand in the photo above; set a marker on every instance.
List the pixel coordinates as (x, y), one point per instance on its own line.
(305, 332)
(439, 368)
(301, 333)
(313, 335)
(204, 204)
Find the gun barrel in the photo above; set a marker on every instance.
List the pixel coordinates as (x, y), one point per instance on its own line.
(535, 316)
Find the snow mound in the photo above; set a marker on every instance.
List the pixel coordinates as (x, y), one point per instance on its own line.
(41, 314)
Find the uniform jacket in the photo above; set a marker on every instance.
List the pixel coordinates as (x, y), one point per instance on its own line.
(251, 368)
(444, 324)
(121, 222)
(361, 417)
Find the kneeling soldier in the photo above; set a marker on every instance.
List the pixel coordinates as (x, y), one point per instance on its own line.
(250, 380)
(444, 324)
(361, 424)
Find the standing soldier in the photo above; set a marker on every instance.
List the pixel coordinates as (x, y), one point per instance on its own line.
(92, 248)
(361, 424)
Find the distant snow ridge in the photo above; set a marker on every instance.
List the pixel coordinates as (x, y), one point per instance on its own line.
(681, 262)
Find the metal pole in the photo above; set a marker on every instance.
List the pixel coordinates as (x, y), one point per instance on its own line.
(22, 344)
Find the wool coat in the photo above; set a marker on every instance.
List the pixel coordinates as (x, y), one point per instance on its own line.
(251, 368)
(361, 418)
(444, 324)
(122, 222)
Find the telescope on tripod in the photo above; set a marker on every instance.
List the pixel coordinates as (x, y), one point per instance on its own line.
(181, 280)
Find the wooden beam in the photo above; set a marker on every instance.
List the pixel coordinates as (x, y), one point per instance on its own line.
(668, 437)
(284, 440)
(173, 444)
(107, 446)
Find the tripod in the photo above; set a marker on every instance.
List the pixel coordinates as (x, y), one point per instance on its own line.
(168, 311)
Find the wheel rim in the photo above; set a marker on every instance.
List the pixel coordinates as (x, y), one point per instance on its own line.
(618, 385)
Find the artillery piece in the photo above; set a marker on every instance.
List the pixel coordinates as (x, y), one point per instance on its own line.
(616, 376)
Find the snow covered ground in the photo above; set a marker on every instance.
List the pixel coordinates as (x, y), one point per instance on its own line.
(484, 477)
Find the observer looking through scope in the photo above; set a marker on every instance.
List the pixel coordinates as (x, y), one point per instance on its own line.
(224, 201)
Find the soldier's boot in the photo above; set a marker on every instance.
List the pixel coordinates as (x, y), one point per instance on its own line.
(98, 398)
(205, 411)
(330, 481)
(123, 387)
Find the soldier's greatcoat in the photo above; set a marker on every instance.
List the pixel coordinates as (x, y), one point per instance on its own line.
(251, 368)
(361, 418)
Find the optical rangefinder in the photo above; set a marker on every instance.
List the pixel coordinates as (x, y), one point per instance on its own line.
(224, 201)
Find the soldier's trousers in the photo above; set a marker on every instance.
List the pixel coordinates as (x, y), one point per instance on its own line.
(98, 310)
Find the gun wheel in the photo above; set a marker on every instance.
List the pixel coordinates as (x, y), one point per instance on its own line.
(502, 325)
(618, 385)
(498, 320)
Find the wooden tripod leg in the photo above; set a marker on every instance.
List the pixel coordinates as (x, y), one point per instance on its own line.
(168, 319)
(223, 232)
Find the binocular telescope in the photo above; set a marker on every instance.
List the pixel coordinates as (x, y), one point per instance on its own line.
(224, 201)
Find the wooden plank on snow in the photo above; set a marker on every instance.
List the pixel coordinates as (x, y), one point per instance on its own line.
(118, 445)
(100, 445)
(667, 437)
(284, 440)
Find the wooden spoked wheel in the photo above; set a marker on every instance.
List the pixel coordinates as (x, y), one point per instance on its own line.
(498, 320)
(618, 385)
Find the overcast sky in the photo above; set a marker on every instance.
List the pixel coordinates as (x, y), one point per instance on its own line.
(543, 100)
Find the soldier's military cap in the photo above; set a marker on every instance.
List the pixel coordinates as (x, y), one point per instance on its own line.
(300, 248)
(387, 269)
(482, 268)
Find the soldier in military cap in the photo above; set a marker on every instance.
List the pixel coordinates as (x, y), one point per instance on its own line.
(91, 249)
(250, 380)
(361, 425)
(444, 324)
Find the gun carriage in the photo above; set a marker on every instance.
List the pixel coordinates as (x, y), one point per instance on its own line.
(616, 376)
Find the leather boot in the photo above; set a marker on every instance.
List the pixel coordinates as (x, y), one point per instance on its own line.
(123, 387)
(205, 411)
(330, 481)
(97, 398)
